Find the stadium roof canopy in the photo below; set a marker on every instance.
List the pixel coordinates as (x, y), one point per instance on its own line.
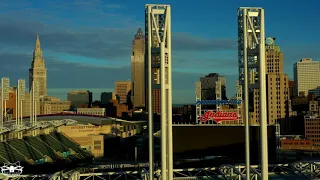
(98, 121)
(58, 120)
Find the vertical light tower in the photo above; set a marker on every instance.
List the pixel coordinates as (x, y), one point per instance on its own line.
(218, 94)
(251, 53)
(239, 97)
(17, 104)
(198, 98)
(5, 86)
(158, 59)
(21, 97)
(34, 97)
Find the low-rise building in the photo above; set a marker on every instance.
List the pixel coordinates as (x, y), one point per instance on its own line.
(53, 105)
(92, 111)
(296, 144)
(312, 129)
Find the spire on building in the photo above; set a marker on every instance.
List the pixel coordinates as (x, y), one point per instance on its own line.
(37, 55)
(38, 72)
(38, 42)
(139, 34)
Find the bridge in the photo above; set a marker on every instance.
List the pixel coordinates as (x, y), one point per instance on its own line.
(297, 170)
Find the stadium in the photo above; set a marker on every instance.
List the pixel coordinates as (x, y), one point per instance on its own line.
(44, 150)
(43, 147)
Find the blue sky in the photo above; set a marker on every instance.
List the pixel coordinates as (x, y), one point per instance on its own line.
(87, 44)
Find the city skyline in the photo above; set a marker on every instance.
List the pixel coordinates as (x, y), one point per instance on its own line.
(197, 50)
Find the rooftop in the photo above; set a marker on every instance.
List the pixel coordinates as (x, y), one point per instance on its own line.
(98, 121)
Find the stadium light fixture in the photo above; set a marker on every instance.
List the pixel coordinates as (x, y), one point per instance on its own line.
(5, 87)
(21, 98)
(158, 33)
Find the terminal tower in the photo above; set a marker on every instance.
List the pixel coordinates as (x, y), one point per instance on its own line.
(38, 72)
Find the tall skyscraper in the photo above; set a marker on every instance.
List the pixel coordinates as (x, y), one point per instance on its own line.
(278, 97)
(306, 75)
(122, 89)
(137, 63)
(38, 72)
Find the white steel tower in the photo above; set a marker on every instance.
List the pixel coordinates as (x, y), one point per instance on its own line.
(218, 94)
(198, 105)
(251, 53)
(34, 98)
(20, 99)
(239, 98)
(5, 87)
(158, 60)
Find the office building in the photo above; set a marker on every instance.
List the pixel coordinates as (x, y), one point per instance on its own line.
(27, 105)
(315, 91)
(311, 127)
(137, 64)
(53, 105)
(278, 97)
(292, 84)
(306, 75)
(79, 98)
(92, 111)
(11, 104)
(38, 72)
(122, 89)
(208, 86)
(105, 97)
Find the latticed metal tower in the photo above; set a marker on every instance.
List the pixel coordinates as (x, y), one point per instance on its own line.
(158, 64)
(239, 95)
(21, 93)
(5, 87)
(218, 93)
(198, 98)
(252, 75)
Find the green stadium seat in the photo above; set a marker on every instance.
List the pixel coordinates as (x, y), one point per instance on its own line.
(74, 158)
(70, 143)
(54, 143)
(40, 161)
(26, 149)
(2, 160)
(42, 147)
(10, 154)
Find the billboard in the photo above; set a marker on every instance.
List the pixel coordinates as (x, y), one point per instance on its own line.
(211, 102)
(219, 116)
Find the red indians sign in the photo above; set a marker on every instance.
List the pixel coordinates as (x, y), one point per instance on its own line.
(219, 116)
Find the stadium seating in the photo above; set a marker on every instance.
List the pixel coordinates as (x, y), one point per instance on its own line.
(54, 143)
(70, 143)
(10, 154)
(26, 149)
(42, 147)
(38, 150)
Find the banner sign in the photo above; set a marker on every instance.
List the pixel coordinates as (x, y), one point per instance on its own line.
(210, 102)
(219, 116)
